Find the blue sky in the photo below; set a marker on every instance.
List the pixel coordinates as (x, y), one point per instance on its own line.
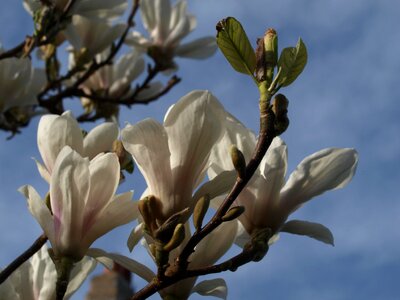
(347, 96)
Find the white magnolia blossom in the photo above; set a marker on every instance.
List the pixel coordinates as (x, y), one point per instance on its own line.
(167, 25)
(83, 202)
(173, 157)
(36, 278)
(115, 79)
(268, 200)
(90, 36)
(88, 8)
(55, 132)
(19, 82)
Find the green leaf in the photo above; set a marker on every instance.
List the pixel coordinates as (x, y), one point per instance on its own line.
(235, 45)
(292, 62)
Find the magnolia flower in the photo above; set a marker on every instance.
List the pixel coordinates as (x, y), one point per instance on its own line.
(115, 80)
(19, 82)
(88, 8)
(173, 157)
(89, 36)
(36, 278)
(55, 132)
(83, 203)
(167, 26)
(267, 199)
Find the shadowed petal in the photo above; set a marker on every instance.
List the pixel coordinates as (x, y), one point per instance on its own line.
(198, 49)
(313, 230)
(100, 139)
(214, 287)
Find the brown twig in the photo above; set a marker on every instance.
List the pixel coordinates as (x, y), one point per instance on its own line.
(23, 258)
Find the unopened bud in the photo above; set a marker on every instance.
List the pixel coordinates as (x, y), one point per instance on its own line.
(271, 48)
(233, 213)
(124, 157)
(238, 160)
(200, 211)
(166, 230)
(279, 107)
(177, 238)
(147, 210)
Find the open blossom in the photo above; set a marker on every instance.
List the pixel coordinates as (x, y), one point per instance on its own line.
(87, 8)
(173, 157)
(19, 82)
(83, 203)
(167, 25)
(268, 200)
(90, 36)
(55, 132)
(36, 278)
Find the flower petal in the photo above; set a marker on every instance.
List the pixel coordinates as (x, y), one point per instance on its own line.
(313, 230)
(219, 185)
(148, 143)
(147, 11)
(55, 132)
(214, 287)
(39, 210)
(191, 142)
(100, 139)
(108, 259)
(135, 236)
(324, 170)
(121, 210)
(201, 48)
(162, 12)
(69, 190)
(79, 273)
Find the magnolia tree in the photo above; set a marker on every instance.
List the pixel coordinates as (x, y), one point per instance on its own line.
(211, 182)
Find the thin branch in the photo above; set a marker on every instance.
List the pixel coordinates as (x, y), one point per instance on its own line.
(23, 258)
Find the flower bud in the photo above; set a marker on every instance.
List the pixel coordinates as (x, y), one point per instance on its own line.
(200, 211)
(177, 238)
(147, 208)
(279, 107)
(166, 230)
(238, 160)
(233, 213)
(271, 48)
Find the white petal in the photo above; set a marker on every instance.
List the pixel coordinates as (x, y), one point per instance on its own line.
(39, 210)
(191, 142)
(104, 178)
(325, 170)
(79, 273)
(218, 186)
(100, 139)
(198, 49)
(242, 237)
(214, 287)
(177, 33)
(235, 134)
(137, 40)
(214, 245)
(121, 210)
(135, 236)
(147, 11)
(69, 190)
(151, 90)
(43, 171)
(43, 274)
(108, 260)
(100, 8)
(313, 230)
(147, 141)
(162, 19)
(55, 132)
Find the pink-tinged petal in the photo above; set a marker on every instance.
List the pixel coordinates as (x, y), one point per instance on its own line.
(55, 132)
(214, 287)
(162, 9)
(147, 11)
(108, 259)
(120, 210)
(214, 245)
(69, 190)
(43, 275)
(104, 178)
(324, 170)
(100, 139)
(191, 142)
(39, 210)
(147, 141)
(198, 49)
(313, 230)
